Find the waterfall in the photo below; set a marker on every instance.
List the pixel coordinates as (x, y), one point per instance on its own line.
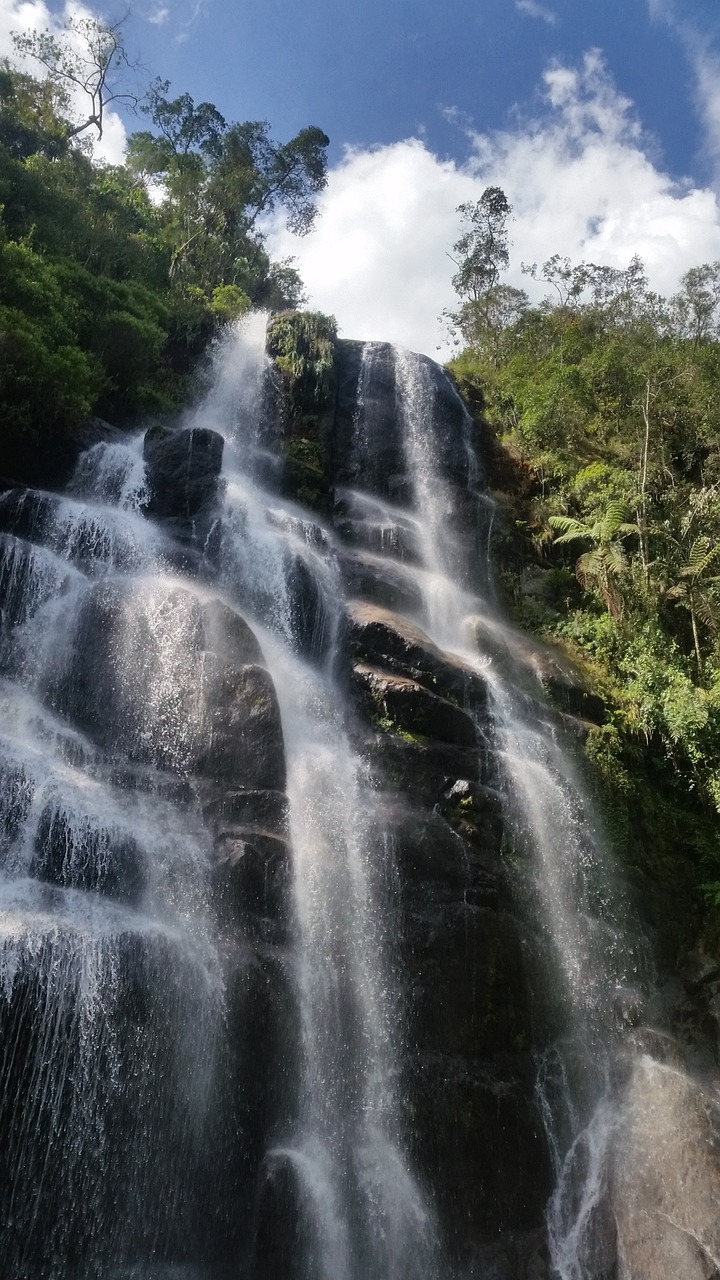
(344, 1146)
(272, 1005)
(592, 969)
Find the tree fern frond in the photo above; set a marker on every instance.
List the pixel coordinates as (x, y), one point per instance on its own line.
(571, 530)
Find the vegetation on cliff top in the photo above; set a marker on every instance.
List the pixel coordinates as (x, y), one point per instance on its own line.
(114, 277)
(604, 400)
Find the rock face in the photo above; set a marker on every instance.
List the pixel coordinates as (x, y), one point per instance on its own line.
(182, 470)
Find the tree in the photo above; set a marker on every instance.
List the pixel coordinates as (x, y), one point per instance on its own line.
(619, 296)
(482, 250)
(87, 60)
(29, 119)
(696, 308)
(691, 590)
(219, 180)
(487, 307)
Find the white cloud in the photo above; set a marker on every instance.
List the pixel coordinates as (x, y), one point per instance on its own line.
(159, 16)
(34, 15)
(579, 178)
(535, 10)
(707, 75)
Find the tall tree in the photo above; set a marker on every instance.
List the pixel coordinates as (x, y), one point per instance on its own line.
(87, 62)
(219, 180)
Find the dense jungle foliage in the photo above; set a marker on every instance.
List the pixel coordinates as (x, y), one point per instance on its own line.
(605, 403)
(114, 277)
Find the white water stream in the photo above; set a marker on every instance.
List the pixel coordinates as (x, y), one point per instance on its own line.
(345, 1147)
(568, 875)
(115, 999)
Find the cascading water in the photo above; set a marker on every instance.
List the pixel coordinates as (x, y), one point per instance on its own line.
(572, 881)
(254, 765)
(111, 990)
(591, 965)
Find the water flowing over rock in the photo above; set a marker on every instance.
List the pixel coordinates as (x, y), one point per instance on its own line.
(314, 963)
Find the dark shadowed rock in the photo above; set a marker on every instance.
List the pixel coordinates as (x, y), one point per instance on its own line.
(243, 741)
(377, 579)
(405, 706)
(378, 637)
(538, 667)
(80, 854)
(183, 467)
(251, 875)
(263, 809)
(159, 677)
(368, 455)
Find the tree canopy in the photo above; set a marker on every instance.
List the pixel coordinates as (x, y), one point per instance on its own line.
(114, 277)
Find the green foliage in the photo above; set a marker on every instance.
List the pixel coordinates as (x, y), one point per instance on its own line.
(229, 302)
(218, 179)
(603, 406)
(109, 297)
(302, 344)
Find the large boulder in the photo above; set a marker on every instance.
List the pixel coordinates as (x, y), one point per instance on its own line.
(183, 468)
(665, 1181)
(378, 637)
(159, 676)
(407, 707)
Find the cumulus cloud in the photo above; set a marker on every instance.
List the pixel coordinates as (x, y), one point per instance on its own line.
(158, 17)
(579, 176)
(34, 15)
(535, 10)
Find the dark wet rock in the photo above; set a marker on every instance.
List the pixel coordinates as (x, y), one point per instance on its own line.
(423, 769)
(481, 1147)
(534, 664)
(183, 468)
(363, 523)
(304, 476)
(251, 808)
(666, 1175)
(17, 789)
(228, 635)
(383, 582)
(288, 1253)
(251, 874)
(439, 863)
(27, 512)
(80, 854)
(377, 462)
(378, 637)
(445, 863)
(312, 613)
(210, 712)
(467, 971)
(404, 706)
(51, 460)
(243, 740)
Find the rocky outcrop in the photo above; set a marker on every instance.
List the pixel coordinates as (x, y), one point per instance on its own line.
(183, 468)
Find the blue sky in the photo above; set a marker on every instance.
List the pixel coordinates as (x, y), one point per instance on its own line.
(377, 71)
(600, 118)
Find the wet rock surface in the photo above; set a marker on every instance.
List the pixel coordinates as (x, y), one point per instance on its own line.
(183, 468)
